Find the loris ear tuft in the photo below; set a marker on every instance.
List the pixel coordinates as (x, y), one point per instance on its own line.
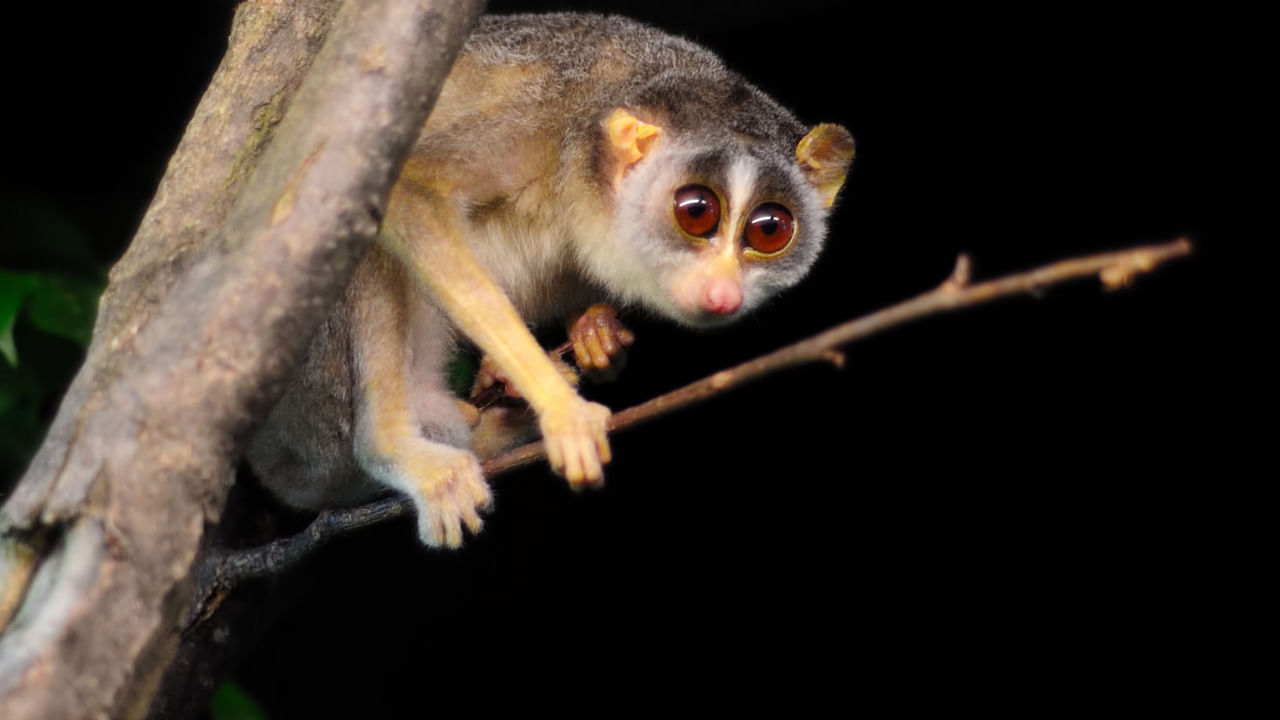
(824, 155)
(629, 139)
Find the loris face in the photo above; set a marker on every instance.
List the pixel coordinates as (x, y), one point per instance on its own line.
(705, 234)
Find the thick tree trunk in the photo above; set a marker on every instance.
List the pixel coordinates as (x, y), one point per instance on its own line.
(271, 198)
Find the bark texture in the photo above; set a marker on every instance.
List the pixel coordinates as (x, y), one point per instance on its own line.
(273, 195)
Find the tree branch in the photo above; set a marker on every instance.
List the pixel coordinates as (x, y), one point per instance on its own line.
(272, 197)
(224, 570)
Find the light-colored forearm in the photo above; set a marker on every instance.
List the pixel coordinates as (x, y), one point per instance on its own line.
(440, 261)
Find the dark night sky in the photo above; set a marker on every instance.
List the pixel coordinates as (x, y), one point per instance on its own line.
(1034, 497)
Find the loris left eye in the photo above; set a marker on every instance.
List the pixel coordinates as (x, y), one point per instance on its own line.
(697, 210)
(769, 229)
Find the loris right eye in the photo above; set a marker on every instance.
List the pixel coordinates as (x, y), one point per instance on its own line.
(697, 210)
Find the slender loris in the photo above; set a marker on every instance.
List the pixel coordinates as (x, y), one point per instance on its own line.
(570, 159)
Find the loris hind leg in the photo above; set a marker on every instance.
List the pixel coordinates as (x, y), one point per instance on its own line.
(410, 443)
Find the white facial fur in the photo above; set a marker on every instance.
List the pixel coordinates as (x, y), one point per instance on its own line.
(646, 260)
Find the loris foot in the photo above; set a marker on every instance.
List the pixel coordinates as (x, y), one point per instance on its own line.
(448, 490)
(500, 427)
(600, 341)
(574, 432)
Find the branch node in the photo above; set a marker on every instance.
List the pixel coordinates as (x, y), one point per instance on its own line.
(1118, 276)
(959, 279)
(1123, 272)
(835, 357)
(721, 380)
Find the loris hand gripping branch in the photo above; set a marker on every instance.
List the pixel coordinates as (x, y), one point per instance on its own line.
(569, 159)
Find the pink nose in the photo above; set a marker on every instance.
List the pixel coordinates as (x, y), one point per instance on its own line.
(722, 296)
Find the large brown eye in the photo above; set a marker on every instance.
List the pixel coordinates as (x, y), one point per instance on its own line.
(769, 229)
(697, 210)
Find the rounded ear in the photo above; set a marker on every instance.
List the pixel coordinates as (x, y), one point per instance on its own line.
(629, 139)
(824, 156)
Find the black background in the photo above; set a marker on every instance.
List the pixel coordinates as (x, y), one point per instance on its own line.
(1036, 504)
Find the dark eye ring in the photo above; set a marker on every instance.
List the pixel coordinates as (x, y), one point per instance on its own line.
(769, 229)
(697, 210)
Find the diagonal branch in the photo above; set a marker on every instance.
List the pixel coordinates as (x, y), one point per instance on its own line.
(1117, 269)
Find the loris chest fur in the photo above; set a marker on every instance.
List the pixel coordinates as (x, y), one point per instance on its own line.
(570, 159)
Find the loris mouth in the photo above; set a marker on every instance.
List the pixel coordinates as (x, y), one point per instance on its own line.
(707, 320)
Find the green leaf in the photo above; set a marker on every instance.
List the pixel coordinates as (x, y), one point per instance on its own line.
(14, 288)
(231, 702)
(7, 348)
(64, 305)
(461, 373)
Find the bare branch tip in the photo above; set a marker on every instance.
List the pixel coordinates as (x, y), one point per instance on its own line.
(1123, 272)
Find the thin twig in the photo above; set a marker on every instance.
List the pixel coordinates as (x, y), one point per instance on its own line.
(1116, 269)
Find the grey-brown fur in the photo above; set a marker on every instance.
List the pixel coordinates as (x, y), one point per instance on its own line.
(518, 153)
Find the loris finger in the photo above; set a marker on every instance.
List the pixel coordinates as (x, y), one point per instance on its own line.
(592, 473)
(473, 520)
(452, 525)
(573, 470)
(599, 347)
(581, 353)
(602, 447)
